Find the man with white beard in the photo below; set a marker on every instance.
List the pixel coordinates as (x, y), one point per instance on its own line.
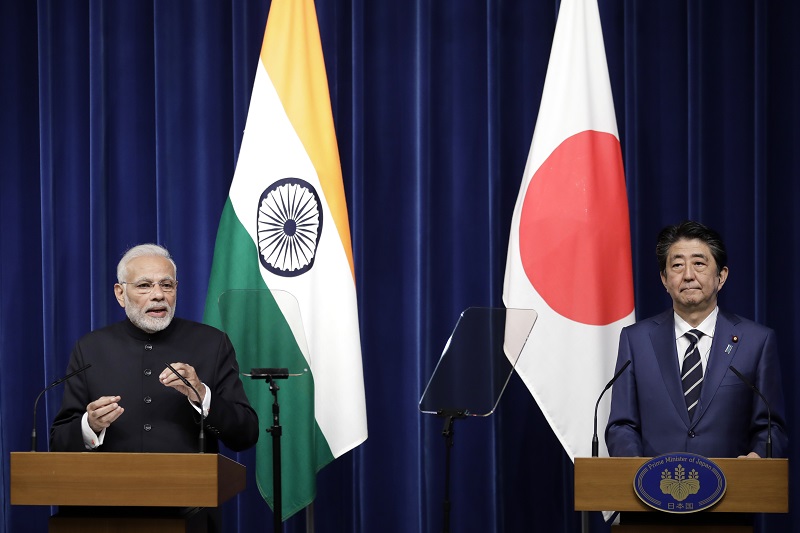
(129, 401)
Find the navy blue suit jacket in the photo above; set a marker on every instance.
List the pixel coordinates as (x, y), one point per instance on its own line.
(648, 412)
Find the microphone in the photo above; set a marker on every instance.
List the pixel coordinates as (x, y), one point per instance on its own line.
(53, 384)
(595, 444)
(202, 437)
(769, 411)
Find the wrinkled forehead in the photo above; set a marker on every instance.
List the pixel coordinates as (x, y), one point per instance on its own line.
(152, 267)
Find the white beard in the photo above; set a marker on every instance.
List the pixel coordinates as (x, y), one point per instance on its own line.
(138, 316)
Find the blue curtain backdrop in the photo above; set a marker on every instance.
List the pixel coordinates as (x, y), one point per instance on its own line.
(120, 123)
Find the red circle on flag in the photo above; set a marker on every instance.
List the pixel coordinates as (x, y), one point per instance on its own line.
(574, 233)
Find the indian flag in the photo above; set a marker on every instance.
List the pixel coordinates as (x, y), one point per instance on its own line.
(284, 227)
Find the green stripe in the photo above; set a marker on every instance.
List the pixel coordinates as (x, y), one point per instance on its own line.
(262, 338)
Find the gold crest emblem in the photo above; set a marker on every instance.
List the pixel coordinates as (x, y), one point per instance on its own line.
(680, 487)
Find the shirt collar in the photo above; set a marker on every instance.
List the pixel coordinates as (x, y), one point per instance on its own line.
(707, 326)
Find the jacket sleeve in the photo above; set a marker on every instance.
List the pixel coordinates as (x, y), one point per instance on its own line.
(768, 381)
(65, 433)
(231, 418)
(623, 432)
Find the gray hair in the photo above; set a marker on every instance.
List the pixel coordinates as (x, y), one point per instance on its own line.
(142, 250)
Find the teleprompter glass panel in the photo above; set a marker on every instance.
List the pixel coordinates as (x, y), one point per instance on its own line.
(477, 361)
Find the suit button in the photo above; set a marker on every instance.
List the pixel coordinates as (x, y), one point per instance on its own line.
(147, 371)
(148, 427)
(147, 399)
(148, 347)
(691, 434)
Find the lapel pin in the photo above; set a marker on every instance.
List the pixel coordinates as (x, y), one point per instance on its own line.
(728, 349)
(735, 339)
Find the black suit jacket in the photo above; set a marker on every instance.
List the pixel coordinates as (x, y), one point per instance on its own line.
(127, 361)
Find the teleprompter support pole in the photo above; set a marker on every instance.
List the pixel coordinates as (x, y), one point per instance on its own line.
(276, 431)
(270, 375)
(447, 432)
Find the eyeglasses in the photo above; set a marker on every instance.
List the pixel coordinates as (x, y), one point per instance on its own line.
(146, 287)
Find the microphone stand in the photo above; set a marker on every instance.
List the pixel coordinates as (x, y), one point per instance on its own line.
(769, 410)
(201, 439)
(53, 384)
(447, 433)
(595, 440)
(270, 375)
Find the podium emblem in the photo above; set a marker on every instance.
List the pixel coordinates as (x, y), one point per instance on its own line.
(679, 483)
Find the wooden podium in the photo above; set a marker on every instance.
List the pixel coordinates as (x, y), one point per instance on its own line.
(753, 486)
(142, 483)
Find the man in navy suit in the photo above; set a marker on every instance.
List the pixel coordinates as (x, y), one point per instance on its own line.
(651, 413)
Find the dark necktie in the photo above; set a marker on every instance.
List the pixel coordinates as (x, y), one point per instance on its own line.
(692, 372)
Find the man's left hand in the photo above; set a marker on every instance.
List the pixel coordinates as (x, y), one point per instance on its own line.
(169, 379)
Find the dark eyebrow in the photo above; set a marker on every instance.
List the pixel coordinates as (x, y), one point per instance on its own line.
(697, 255)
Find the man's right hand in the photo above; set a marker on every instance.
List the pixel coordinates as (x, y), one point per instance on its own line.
(103, 411)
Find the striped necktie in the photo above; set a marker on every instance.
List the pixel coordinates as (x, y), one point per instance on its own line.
(692, 372)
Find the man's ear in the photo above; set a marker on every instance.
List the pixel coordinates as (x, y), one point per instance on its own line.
(119, 294)
(723, 276)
